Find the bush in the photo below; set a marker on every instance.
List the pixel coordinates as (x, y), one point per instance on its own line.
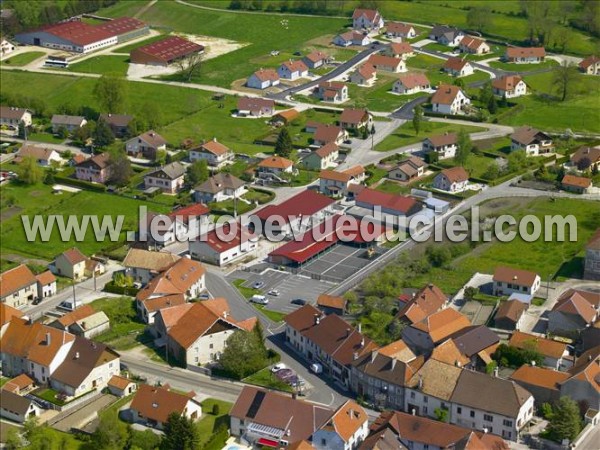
(113, 288)
(80, 183)
(216, 409)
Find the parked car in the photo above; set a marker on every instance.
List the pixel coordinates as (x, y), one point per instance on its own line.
(285, 374)
(37, 301)
(316, 368)
(260, 299)
(273, 292)
(277, 367)
(204, 296)
(299, 301)
(258, 284)
(69, 305)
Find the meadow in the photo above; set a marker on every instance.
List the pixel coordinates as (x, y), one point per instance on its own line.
(22, 59)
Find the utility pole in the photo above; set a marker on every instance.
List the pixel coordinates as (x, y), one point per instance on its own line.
(74, 297)
(372, 136)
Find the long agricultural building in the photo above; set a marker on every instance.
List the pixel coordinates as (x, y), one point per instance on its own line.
(80, 37)
(165, 51)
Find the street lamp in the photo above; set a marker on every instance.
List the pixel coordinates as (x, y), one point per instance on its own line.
(372, 135)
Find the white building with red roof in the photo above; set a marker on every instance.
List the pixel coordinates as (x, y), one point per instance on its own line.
(474, 46)
(292, 70)
(365, 75)
(411, 83)
(18, 286)
(262, 79)
(401, 30)
(215, 153)
(369, 19)
(449, 99)
(458, 67)
(509, 86)
(223, 245)
(399, 205)
(590, 65)
(525, 55)
(165, 51)
(351, 38)
(453, 179)
(508, 280)
(332, 91)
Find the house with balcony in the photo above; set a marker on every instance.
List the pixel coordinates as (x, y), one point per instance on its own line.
(534, 142)
(216, 154)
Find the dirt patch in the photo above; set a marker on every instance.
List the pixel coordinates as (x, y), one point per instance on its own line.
(10, 212)
(24, 260)
(36, 193)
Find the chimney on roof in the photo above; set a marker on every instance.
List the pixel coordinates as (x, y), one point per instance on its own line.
(496, 371)
(394, 363)
(362, 342)
(348, 331)
(225, 314)
(317, 319)
(420, 382)
(48, 339)
(457, 363)
(76, 355)
(214, 139)
(373, 356)
(355, 356)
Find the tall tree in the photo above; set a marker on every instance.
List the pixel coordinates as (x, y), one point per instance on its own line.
(111, 434)
(465, 146)
(417, 119)
(283, 146)
(120, 170)
(181, 433)
(32, 172)
(110, 92)
(565, 75)
(479, 19)
(197, 172)
(190, 65)
(103, 135)
(565, 422)
(244, 354)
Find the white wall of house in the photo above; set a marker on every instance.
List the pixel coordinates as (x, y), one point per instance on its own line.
(459, 101)
(33, 410)
(213, 160)
(444, 152)
(207, 348)
(166, 185)
(424, 404)
(98, 378)
(201, 251)
(47, 290)
(64, 268)
(501, 288)
(22, 297)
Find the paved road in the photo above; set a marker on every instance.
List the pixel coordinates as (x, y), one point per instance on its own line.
(58, 147)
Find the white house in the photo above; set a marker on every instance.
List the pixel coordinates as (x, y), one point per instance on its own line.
(411, 83)
(345, 430)
(365, 75)
(12, 116)
(368, 19)
(590, 65)
(292, 70)
(152, 405)
(525, 55)
(169, 178)
(332, 91)
(387, 63)
(42, 155)
(262, 79)
(446, 35)
(474, 46)
(509, 86)
(221, 247)
(351, 38)
(275, 165)
(454, 179)
(315, 59)
(215, 153)
(337, 184)
(6, 48)
(143, 265)
(218, 188)
(17, 408)
(400, 30)
(508, 280)
(18, 286)
(46, 284)
(458, 67)
(400, 50)
(445, 145)
(322, 158)
(449, 100)
(534, 142)
(146, 145)
(409, 169)
(69, 123)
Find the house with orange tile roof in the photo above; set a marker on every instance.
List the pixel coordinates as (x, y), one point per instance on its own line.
(285, 117)
(275, 165)
(552, 351)
(84, 321)
(574, 183)
(525, 55)
(445, 145)
(292, 70)
(365, 75)
(331, 304)
(411, 83)
(121, 386)
(146, 145)
(6, 315)
(70, 264)
(262, 79)
(584, 382)
(449, 99)
(590, 65)
(351, 38)
(334, 183)
(509, 86)
(367, 19)
(315, 59)
(152, 405)
(544, 384)
(453, 179)
(216, 154)
(423, 336)
(474, 46)
(354, 119)
(18, 286)
(458, 67)
(574, 311)
(401, 30)
(508, 280)
(20, 385)
(332, 91)
(322, 158)
(387, 63)
(509, 316)
(324, 134)
(425, 302)
(400, 50)
(345, 430)
(46, 284)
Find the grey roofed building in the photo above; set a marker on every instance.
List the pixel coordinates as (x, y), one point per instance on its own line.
(15, 406)
(220, 182)
(67, 121)
(172, 171)
(471, 340)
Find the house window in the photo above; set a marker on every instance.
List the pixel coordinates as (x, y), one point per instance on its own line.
(472, 414)
(323, 442)
(210, 346)
(412, 395)
(488, 418)
(425, 399)
(507, 423)
(459, 410)
(424, 409)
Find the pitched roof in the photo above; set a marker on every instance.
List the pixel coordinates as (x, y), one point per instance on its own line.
(440, 140)
(471, 42)
(146, 259)
(80, 313)
(371, 14)
(389, 368)
(220, 182)
(546, 347)
(306, 203)
(383, 60)
(332, 85)
(334, 176)
(267, 75)
(164, 301)
(77, 32)
(449, 353)
(280, 411)
(506, 82)
(591, 153)
(327, 149)
(170, 48)
(45, 278)
(440, 30)
(254, 104)
(37, 153)
(152, 138)
(442, 324)
(455, 174)
(173, 170)
(347, 420)
(398, 350)
(276, 162)
(587, 62)
(302, 318)
(511, 310)
(215, 147)
(14, 402)
(455, 63)
(525, 52)
(288, 115)
(74, 256)
(367, 71)
(327, 133)
(101, 161)
(587, 368)
(177, 279)
(593, 298)
(399, 203)
(157, 402)
(528, 135)
(425, 302)
(572, 180)
(220, 239)
(354, 116)
(445, 94)
(83, 357)
(471, 340)
(398, 27)
(331, 301)
(316, 56)
(116, 120)
(119, 382)
(295, 66)
(411, 165)
(15, 279)
(355, 171)
(539, 376)
(412, 80)
(487, 393)
(399, 48)
(574, 303)
(11, 112)
(436, 378)
(7, 313)
(511, 275)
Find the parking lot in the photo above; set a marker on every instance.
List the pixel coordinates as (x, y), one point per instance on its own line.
(289, 286)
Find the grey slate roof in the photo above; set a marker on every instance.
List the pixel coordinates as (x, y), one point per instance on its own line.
(173, 170)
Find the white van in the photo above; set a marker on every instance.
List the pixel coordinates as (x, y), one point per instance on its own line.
(260, 299)
(316, 368)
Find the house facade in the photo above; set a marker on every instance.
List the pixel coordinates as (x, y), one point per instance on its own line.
(590, 65)
(458, 67)
(292, 70)
(449, 100)
(332, 91)
(262, 79)
(368, 19)
(71, 264)
(411, 84)
(474, 46)
(445, 145)
(400, 30)
(169, 179)
(508, 280)
(455, 179)
(509, 86)
(213, 248)
(407, 170)
(351, 38)
(219, 187)
(216, 154)
(69, 123)
(95, 169)
(18, 286)
(12, 116)
(525, 55)
(322, 158)
(146, 145)
(365, 75)
(534, 142)
(345, 430)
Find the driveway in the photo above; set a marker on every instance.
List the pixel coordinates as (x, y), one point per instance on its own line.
(80, 416)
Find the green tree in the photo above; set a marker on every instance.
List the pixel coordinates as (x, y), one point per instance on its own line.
(62, 132)
(32, 172)
(563, 78)
(479, 19)
(49, 178)
(216, 410)
(103, 135)
(111, 434)
(438, 255)
(283, 146)
(470, 292)
(516, 160)
(82, 134)
(565, 422)
(243, 355)
(441, 414)
(417, 119)
(486, 93)
(22, 130)
(181, 433)
(120, 170)
(14, 440)
(459, 82)
(492, 105)
(144, 440)
(161, 157)
(465, 146)
(110, 92)
(197, 172)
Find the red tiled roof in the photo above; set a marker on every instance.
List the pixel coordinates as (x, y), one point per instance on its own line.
(400, 48)
(327, 133)
(316, 56)
(587, 62)
(170, 48)
(455, 174)
(15, 279)
(79, 33)
(306, 203)
(398, 27)
(74, 256)
(267, 75)
(507, 82)
(456, 64)
(276, 162)
(525, 52)
(254, 104)
(222, 245)
(327, 150)
(295, 66)
(353, 116)
(156, 403)
(575, 181)
(445, 94)
(546, 347)
(371, 14)
(413, 80)
(7, 313)
(514, 276)
(386, 200)
(121, 25)
(471, 42)
(387, 61)
(539, 376)
(367, 71)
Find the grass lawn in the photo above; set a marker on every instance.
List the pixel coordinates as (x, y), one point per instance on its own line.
(50, 395)
(476, 165)
(393, 188)
(512, 67)
(258, 196)
(405, 134)
(210, 422)
(228, 206)
(304, 177)
(275, 316)
(125, 329)
(432, 66)
(3, 381)
(435, 47)
(113, 409)
(266, 378)
(379, 97)
(45, 137)
(247, 292)
(102, 64)
(22, 59)
(374, 174)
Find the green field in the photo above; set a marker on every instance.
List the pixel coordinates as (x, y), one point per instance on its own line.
(432, 66)
(405, 134)
(476, 165)
(45, 137)
(511, 67)
(103, 64)
(22, 59)
(266, 378)
(379, 97)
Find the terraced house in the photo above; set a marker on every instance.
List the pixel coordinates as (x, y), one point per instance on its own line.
(18, 286)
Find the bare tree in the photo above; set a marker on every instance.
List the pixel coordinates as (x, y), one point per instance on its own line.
(190, 65)
(564, 76)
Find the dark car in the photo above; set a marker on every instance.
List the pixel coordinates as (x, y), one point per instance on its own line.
(299, 301)
(37, 301)
(297, 53)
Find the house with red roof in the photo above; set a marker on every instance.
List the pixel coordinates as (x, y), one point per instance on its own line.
(337, 183)
(146, 145)
(324, 134)
(95, 169)
(474, 46)
(332, 91)
(445, 145)
(387, 63)
(365, 75)
(458, 67)
(158, 230)
(275, 165)
(453, 179)
(292, 70)
(590, 65)
(345, 430)
(315, 59)
(216, 154)
(508, 280)
(353, 119)
(573, 183)
(401, 30)
(509, 86)
(18, 286)
(525, 55)
(574, 311)
(400, 50)
(255, 107)
(224, 245)
(398, 205)
(322, 158)
(71, 264)
(367, 19)
(152, 405)
(262, 79)
(46, 284)
(449, 99)
(411, 83)
(351, 38)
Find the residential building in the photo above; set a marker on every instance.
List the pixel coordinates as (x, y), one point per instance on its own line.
(345, 430)
(590, 65)
(400, 30)
(424, 335)
(351, 38)
(446, 35)
(148, 309)
(152, 405)
(83, 321)
(332, 91)
(13, 117)
(216, 154)
(146, 145)
(387, 63)
(20, 385)
(573, 312)
(508, 280)
(533, 142)
(552, 351)
(399, 50)
(448, 353)
(584, 154)
(408, 170)
(573, 183)
(262, 79)
(95, 169)
(285, 117)
(509, 315)
(315, 59)
(582, 385)
(143, 265)
(592, 258)
(329, 340)
(272, 418)
(411, 83)
(335, 183)
(219, 187)
(159, 230)
(458, 67)
(87, 367)
(6, 315)
(46, 284)
(169, 179)
(445, 145)
(42, 155)
(454, 179)
(449, 100)
(275, 165)
(325, 134)
(474, 46)
(118, 123)
(509, 86)
(255, 107)
(18, 286)
(218, 247)
(368, 19)
(365, 75)
(71, 264)
(525, 55)
(331, 304)
(292, 70)
(353, 119)
(120, 386)
(69, 123)
(197, 334)
(322, 158)
(165, 52)
(477, 343)
(425, 302)
(590, 336)
(395, 205)
(17, 408)
(544, 384)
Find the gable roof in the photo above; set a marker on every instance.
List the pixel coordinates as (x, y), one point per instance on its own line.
(334, 175)
(327, 133)
(371, 14)
(514, 276)
(331, 301)
(316, 56)
(220, 182)
(398, 350)
(7, 313)
(288, 115)
(528, 135)
(177, 279)
(448, 352)
(354, 116)
(326, 150)
(400, 48)
(456, 64)
(591, 153)
(387, 367)
(347, 420)
(276, 162)
(441, 30)
(546, 347)
(45, 278)
(539, 376)
(367, 71)
(425, 302)
(295, 66)
(525, 52)
(442, 324)
(170, 48)
(37, 153)
(456, 174)
(399, 203)
(445, 94)
(412, 80)
(471, 42)
(410, 166)
(473, 339)
(13, 402)
(266, 75)
(173, 171)
(12, 112)
(511, 310)
(15, 279)
(215, 241)
(436, 378)
(573, 180)
(254, 104)
(306, 203)
(441, 140)
(383, 60)
(587, 368)
(152, 138)
(149, 260)
(120, 382)
(74, 256)
(116, 120)
(157, 402)
(162, 302)
(101, 161)
(17, 383)
(590, 60)
(214, 147)
(80, 313)
(506, 82)
(398, 27)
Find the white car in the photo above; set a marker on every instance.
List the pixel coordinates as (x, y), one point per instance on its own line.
(316, 368)
(260, 299)
(277, 367)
